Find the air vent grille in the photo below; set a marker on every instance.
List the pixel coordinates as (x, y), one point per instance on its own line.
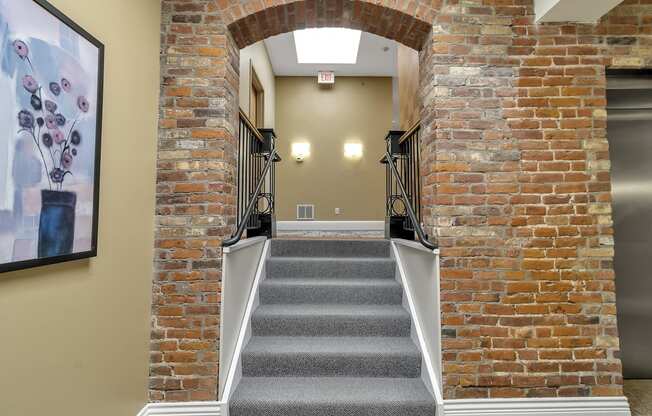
(305, 212)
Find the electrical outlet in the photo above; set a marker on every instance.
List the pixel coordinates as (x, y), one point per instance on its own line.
(338, 211)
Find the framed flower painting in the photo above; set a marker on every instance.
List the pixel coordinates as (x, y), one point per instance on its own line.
(51, 73)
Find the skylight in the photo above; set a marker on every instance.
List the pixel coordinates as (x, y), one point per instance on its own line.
(327, 45)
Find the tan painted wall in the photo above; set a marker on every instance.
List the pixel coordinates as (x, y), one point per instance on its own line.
(75, 336)
(408, 86)
(256, 55)
(356, 109)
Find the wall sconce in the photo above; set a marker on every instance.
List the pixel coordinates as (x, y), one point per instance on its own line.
(353, 150)
(300, 151)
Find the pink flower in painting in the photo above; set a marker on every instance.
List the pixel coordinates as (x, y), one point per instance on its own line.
(30, 83)
(21, 49)
(66, 85)
(83, 104)
(50, 122)
(58, 136)
(66, 160)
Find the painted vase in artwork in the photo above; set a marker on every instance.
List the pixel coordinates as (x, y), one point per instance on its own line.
(56, 233)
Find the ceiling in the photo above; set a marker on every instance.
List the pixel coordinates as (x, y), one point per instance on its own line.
(373, 60)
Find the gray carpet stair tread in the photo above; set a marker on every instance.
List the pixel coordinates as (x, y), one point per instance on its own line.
(332, 345)
(317, 396)
(333, 311)
(331, 356)
(331, 319)
(330, 248)
(310, 290)
(352, 282)
(324, 267)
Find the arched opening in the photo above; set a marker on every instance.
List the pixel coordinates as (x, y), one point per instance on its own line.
(409, 25)
(312, 124)
(402, 35)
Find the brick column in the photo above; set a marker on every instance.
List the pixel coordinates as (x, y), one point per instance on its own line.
(195, 197)
(472, 169)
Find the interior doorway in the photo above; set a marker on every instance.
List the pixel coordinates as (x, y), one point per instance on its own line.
(331, 136)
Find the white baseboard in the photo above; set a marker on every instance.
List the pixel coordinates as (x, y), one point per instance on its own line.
(330, 225)
(185, 409)
(583, 406)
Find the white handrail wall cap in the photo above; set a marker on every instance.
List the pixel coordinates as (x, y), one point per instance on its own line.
(243, 244)
(415, 245)
(430, 369)
(231, 375)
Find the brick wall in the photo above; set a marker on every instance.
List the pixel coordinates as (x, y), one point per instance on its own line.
(516, 184)
(195, 198)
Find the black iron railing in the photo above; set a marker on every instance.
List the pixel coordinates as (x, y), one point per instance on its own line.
(256, 182)
(403, 187)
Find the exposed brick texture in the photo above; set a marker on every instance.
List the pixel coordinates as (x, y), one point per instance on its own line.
(515, 174)
(517, 187)
(405, 21)
(195, 198)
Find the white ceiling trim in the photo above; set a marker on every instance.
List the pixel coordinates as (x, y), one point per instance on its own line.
(579, 11)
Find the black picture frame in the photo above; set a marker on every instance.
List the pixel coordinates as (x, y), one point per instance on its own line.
(39, 262)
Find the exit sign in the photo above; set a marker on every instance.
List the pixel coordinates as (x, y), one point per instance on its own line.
(326, 77)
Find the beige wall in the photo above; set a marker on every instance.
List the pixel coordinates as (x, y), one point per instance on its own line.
(256, 56)
(75, 336)
(356, 109)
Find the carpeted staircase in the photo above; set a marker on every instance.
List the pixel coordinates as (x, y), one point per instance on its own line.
(330, 336)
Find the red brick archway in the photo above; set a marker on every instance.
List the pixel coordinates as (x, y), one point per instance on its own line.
(515, 176)
(406, 22)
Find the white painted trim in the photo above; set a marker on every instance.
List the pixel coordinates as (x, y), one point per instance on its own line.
(415, 245)
(330, 226)
(244, 325)
(243, 244)
(435, 378)
(185, 409)
(582, 406)
(585, 406)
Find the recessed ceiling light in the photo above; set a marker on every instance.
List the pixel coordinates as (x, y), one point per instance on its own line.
(327, 45)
